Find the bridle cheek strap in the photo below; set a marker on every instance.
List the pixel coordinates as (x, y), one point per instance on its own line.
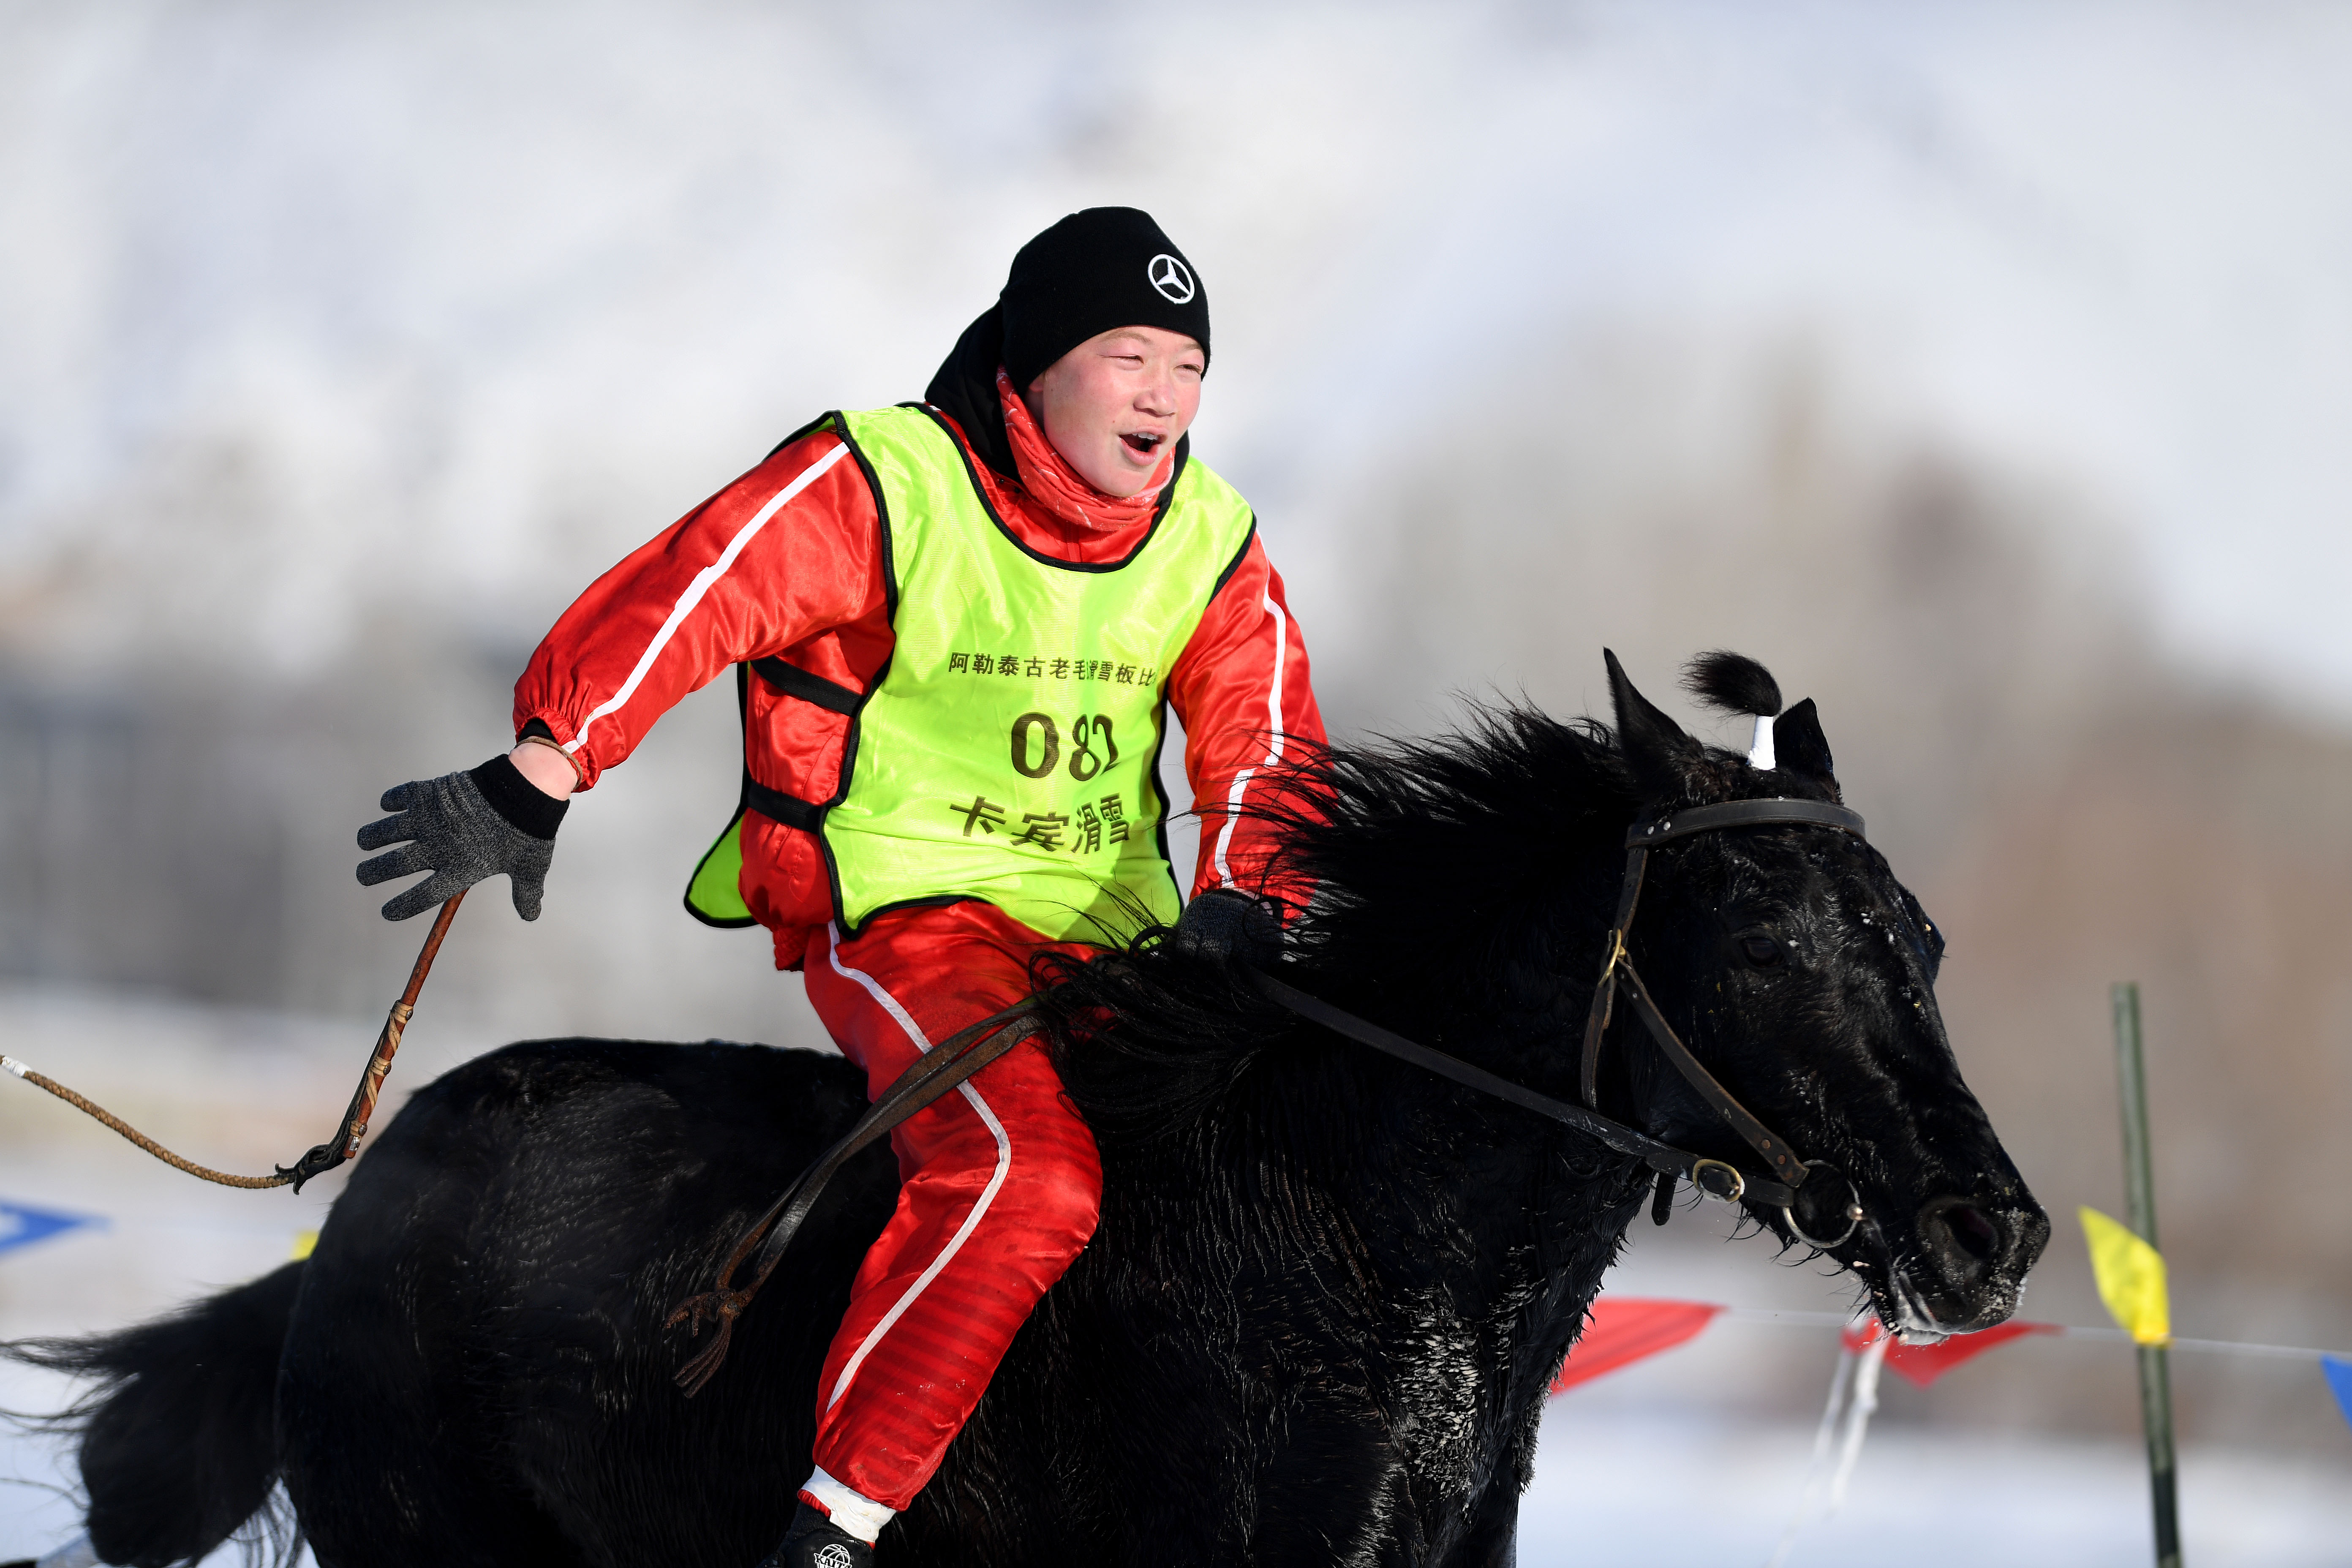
(1617, 963)
(1612, 958)
(1783, 1160)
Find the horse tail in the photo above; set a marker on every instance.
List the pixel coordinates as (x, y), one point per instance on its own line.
(179, 1442)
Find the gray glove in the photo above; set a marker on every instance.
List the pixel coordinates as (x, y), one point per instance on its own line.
(464, 827)
(1222, 925)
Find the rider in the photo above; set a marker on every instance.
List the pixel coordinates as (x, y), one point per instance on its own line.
(961, 621)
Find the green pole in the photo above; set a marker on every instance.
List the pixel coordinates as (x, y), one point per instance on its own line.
(2155, 1378)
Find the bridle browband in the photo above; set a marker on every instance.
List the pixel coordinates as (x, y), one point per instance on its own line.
(1717, 1178)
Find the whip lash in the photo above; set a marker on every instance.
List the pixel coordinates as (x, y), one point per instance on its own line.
(353, 1127)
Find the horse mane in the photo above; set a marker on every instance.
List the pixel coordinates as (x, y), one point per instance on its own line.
(1439, 870)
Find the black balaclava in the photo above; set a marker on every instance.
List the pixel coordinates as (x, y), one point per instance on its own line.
(1096, 269)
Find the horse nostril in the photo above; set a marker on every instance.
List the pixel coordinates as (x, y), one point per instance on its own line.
(1975, 1234)
(1970, 1240)
(1972, 1256)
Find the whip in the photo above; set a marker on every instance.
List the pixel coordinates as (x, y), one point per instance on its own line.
(353, 1127)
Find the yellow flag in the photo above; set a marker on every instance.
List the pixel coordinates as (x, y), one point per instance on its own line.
(2131, 1278)
(304, 1241)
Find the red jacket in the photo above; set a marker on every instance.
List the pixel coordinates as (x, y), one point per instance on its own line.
(806, 584)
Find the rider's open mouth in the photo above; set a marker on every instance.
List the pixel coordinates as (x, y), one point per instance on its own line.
(1143, 441)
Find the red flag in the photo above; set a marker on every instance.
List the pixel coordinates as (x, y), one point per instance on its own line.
(1923, 1365)
(1626, 1329)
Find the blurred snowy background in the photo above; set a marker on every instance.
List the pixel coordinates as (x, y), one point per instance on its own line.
(1986, 370)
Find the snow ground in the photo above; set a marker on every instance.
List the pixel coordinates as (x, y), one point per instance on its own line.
(1662, 1490)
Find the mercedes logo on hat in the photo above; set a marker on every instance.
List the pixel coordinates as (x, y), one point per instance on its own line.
(1171, 278)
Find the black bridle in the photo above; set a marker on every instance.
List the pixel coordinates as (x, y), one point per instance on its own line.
(762, 1244)
(1718, 1179)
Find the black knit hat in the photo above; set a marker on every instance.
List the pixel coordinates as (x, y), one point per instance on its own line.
(1097, 269)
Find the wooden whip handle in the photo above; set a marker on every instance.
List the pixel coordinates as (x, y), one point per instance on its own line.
(379, 1068)
(325, 1157)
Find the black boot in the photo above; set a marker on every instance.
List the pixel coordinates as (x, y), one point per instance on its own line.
(815, 1542)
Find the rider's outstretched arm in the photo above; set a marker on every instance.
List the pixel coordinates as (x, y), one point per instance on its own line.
(788, 552)
(791, 549)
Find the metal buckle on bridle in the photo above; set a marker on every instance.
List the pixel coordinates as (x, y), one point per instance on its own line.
(1728, 1188)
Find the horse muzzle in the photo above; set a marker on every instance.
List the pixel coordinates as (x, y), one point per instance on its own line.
(1968, 1266)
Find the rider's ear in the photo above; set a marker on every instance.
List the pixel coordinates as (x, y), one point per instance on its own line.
(1654, 745)
(1800, 747)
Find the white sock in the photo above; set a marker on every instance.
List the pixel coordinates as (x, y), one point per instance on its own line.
(853, 1512)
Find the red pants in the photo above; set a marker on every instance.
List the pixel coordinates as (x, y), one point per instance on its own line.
(1002, 1186)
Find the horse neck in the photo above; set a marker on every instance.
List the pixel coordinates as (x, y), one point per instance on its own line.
(1449, 1187)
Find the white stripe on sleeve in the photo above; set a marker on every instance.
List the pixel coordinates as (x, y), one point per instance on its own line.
(1274, 751)
(703, 582)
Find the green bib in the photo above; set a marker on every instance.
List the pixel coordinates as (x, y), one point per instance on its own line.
(1010, 751)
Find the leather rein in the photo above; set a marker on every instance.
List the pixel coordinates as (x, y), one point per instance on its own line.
(1715, 1178)
(762, 1244)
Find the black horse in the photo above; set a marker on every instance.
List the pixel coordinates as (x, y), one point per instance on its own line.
(1327, 1291)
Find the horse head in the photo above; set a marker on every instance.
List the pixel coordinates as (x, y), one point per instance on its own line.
(1802, 974)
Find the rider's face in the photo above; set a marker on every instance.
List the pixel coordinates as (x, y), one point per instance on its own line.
(1114, 404)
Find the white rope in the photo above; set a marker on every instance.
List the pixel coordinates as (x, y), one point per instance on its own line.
(1857, 1416)
(1845, 1420)
(1826, 1431)
(1802, 1319)
(1824, 1436)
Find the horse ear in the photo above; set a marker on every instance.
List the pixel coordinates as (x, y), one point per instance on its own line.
(1653, 744)
(1799, 745)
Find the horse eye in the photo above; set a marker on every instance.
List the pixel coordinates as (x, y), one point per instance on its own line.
(1761, 951)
